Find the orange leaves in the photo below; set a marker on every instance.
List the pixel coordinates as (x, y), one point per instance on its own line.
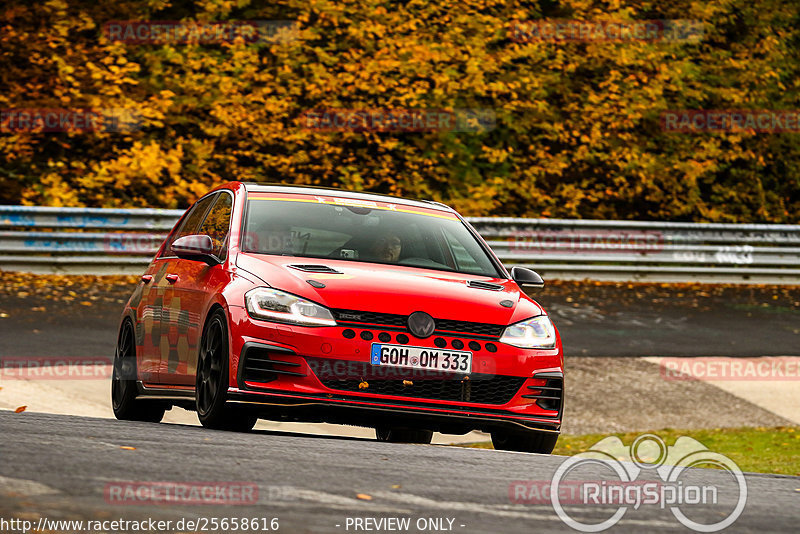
(20, 409)
(573, 119)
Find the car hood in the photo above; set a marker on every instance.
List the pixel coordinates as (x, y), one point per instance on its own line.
(393, 289)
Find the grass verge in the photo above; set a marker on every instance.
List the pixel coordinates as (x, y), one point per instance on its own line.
(755, 450)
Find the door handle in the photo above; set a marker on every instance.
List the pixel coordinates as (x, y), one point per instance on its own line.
(172, 278)
(147, 278)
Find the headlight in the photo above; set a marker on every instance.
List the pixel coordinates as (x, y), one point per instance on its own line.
(273, 305)
(536, 333)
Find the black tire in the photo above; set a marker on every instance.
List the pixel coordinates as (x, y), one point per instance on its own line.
(123, 383)
(403, 435)
(211, 383)
(524, 441)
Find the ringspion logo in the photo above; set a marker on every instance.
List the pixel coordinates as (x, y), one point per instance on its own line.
(648, 473)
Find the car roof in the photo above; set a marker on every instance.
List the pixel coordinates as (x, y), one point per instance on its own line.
(252, 187)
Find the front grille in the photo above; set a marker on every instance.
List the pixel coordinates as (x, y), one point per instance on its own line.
(360, 318)
(482, 389)
(481, 329)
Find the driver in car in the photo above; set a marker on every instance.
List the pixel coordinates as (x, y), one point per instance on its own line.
(387, 248)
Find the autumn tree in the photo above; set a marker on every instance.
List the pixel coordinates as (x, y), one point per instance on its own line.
(577, 130)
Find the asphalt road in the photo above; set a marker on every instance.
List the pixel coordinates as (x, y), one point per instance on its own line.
(59, 467)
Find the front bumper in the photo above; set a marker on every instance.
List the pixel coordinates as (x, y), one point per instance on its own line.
(288, 378)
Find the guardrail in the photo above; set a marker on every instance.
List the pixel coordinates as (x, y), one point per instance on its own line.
(122, 241)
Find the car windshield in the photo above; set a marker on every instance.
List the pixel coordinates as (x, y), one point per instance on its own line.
(358, 230)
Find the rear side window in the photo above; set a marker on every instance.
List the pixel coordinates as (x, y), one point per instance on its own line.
(191, 223)
(218, 223)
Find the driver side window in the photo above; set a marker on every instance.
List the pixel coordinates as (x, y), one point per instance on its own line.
(218, 223)
(191, 223)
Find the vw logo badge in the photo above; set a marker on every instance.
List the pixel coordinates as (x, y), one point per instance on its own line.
(421, 324)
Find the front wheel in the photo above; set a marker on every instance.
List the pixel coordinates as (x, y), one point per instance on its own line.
(123, 383)
(524, 441)
(211, 384)
(403, 435)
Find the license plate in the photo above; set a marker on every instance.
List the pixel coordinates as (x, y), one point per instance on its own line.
(454, 361)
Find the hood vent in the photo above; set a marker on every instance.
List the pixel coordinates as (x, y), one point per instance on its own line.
(315, 269)
(484, 285)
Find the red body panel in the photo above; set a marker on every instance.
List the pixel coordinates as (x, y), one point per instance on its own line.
(169, 318)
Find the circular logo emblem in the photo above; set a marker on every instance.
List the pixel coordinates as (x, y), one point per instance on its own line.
(414, 360)
(421, 324)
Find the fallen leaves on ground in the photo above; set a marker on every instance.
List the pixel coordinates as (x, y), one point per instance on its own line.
(684, 295)
(363, 496)
(20, 409)
(67, 288)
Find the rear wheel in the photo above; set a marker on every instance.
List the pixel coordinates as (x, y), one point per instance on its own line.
(524, 441)
(211, 384)
(123, 383)
(403, 435)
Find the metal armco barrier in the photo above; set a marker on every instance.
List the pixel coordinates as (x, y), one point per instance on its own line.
(117, 241)
(81, 240)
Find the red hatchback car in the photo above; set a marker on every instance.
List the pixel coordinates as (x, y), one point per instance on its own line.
(320, 305)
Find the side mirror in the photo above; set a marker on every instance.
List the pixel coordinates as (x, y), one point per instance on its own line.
(526, 278)
(195, 247)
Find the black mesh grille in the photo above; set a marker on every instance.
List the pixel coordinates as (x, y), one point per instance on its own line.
(262, 365)
(353, 316)
(481, 329)
(483, 389)
(391, 319)
(548, 396)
